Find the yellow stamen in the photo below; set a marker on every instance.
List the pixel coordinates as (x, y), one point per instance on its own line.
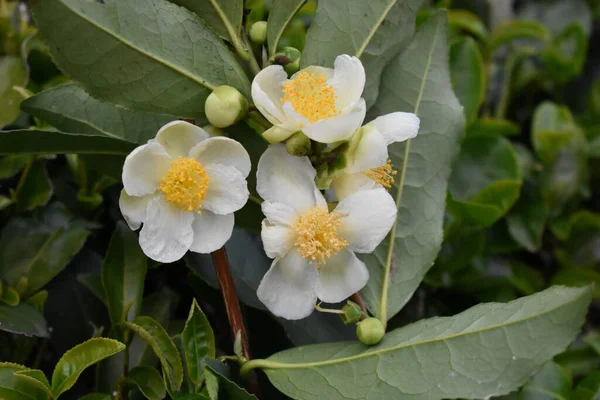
(317, 237)
(311, 96)
(383, 175)
(185, 184)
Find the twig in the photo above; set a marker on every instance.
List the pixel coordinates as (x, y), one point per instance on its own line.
(358, 300)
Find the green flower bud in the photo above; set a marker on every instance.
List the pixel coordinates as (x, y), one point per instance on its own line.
(225, 106)
(258, 32)
(276, 134)
(289, 57)
(213, 131)
(370, 331)
(298, 144)
(352, 312)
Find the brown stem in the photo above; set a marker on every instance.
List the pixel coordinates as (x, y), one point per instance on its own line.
(358, 300)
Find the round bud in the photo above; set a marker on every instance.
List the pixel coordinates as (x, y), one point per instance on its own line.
(298, 144)
(212, 131)
(351, 311)
(225, 106)
(276, 134)
(258, 32)
(370, 331)
(289, 58)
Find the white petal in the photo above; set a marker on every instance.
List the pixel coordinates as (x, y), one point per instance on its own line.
(341, 277)
(295, 121)
(211, 231)
(167, 232)
(348, 80)
(133, 209)
(288, 289)
(337, 128)
(178, 137)
(227, 189)
(267, 91)
(368, 217)
(326, 73)
(283, 178)
(370, 152)
(222, 150)
(144, 168)
(397, 126)
(277, 240)
(279, 213)
(346, 184)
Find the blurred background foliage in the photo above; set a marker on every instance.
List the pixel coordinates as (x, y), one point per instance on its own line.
(523, 205)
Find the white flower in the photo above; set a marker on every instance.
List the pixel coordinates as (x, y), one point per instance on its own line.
(323, 103)
(184, 187)
(367, 165)
(312, 247)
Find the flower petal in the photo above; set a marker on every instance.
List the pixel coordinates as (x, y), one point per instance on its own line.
(283, 178)
(397, 126)
(167, 232)
(178, 137)
(133, 209)
(279, 213)
(368, 216)
(288, 289)
(277, 240)
(295, 121)
(337, 128)
(341, 277)
(348, 80)
(346, 184)
(267, 91)
(326, 73)
(227, 189)
(222, 150)
(144, 168)
(211, 231)
(370, 152)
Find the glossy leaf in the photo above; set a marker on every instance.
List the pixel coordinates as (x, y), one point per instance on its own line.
(517, 29)
(489, 126)
(11, 165)
(164, 348)
(552, 130)
(468, 77)
(527, 219)
(198, 343)
(588, 388)
(15, 388)
(469, 22)
(70, 109)
(130, 65)
(123, 273)
(416, 81)
(80, 357)
(227, 389)
(224, 16)
(35, 189)
(552, 382)
(280, 16)
(488, 350)
(374, 31)
(565, 55)
(149, 382)
(10, 296)
(582, 236)
(13, 74)
(37, 378)
(23, 320)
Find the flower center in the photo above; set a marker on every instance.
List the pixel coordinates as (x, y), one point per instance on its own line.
(317, 238)
(383, 175)
(311, 96)
(185, 184)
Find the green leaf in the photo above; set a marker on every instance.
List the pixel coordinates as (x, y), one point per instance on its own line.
(97, 396)
(23, 320)
(280, 16)
(131, 65)
(54, 142)
(227, 389)
(565, 55)
(93, 281)
(198, 342)
(13, 74)
(149, 382)
(589, 388)
(15, 388)
(12, 164)
(416, 81)
(164, 348)
(468, 77)
(80, 357)
(581, 238)
(552, 382)
(558, 14)
(493, 127)
(37, 378)
(517, 29)
(35, 188)
(467, 21)
(224, 16)
(552, 130)
(527, 219)
(488, 350)
(577, 277)
(70, 109)
(123, 273)
(5, 202)
(375, 31)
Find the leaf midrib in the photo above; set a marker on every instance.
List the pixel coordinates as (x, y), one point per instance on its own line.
(280, 365)
(375, 27)
(277, 38)
(137, 49)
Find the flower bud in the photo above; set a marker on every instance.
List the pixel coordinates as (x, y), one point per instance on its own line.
(276, 134)
(258, 32)
(289, 57)
(212, 131)
(370, 331)
(351, 311)
(225, 106)
(298, 144)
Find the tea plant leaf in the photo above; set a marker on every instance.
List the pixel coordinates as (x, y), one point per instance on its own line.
(149, 381)
(13, 387)
(198, 343)
(224, 16)
(280, 16)
(23, 319)
(488, 350)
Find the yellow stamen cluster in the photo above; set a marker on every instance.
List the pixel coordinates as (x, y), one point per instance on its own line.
(185, 184)
(317, 237)
(383, 175)
(311, 96)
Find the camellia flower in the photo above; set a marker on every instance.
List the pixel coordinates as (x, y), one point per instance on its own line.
(314, 247)
(323, 103)
(184, 187)
(366, 162)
